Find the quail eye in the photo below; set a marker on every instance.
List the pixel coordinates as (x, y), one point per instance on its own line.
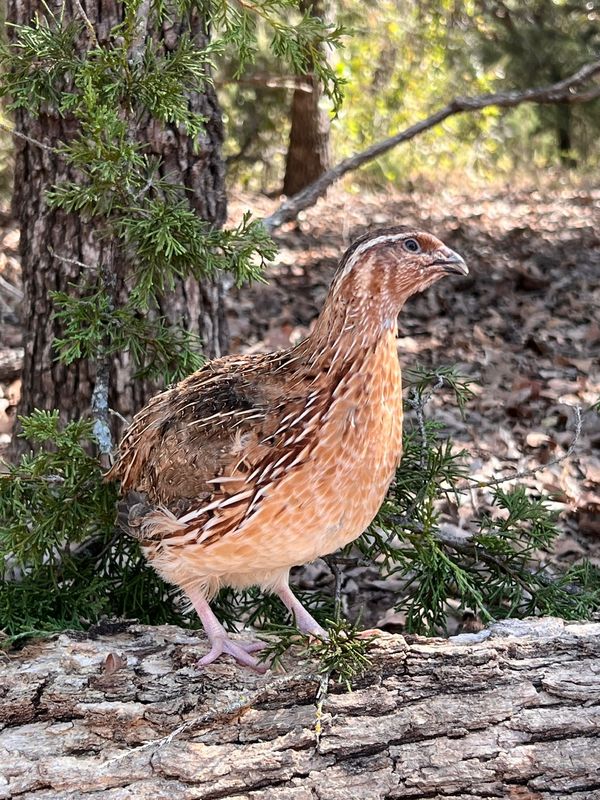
(412, 245)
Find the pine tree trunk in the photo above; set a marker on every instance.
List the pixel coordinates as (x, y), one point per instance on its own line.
(126, 716)
(52, 241)
(308, 155)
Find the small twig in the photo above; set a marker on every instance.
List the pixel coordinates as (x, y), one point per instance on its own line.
(27, 138)
(467, 547)
(85, 546)
(415, 401)
(404, 521)
(35, 478)
(587, 97)
(148, 185)
(74, 261)
(120, 416)
(100, 408)
(527, 473)
(14, 291)
(333, 565)
(435, 388)
(351, 561)
(142, 13)
(298, 82)
(87, 21)
(322, 692)
(418, 401)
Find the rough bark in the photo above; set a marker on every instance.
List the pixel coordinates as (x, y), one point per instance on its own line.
(11, 364)
(52, 242)
(308, 155)
(126, 715)
(308, 150)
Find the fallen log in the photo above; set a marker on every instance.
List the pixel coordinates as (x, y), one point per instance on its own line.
(510, 712)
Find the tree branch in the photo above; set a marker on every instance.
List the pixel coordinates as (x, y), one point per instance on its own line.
(100, 409)
(561, 92)
(270, 81)
(141, 31)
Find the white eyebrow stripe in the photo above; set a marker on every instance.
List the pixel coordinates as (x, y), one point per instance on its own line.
(388, 237)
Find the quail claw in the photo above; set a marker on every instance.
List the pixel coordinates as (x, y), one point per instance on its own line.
(240, 651)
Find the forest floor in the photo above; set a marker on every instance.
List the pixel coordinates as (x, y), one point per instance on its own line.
(524, 326)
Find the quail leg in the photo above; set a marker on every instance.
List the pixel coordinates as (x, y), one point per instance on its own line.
(220, 642)
(304, 621)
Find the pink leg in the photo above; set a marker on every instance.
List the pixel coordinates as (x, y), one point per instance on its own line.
(220, 641)
(304, 621)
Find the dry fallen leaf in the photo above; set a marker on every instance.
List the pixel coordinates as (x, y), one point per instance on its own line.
(537, 439)
(113, 663)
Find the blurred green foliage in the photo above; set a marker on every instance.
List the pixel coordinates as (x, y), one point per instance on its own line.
(540, 42)
(401, 61)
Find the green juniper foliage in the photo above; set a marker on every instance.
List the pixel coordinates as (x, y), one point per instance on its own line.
(300, 46)
(108, 90)
(494, 569)
(344, 654)
(63, 565)
(91, 324)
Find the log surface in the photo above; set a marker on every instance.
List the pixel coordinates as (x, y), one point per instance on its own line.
(515, 715)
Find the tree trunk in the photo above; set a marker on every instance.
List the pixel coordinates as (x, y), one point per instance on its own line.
(308, 151)
(126, 715)
(564, 123)
(52, 241)
(308, 154)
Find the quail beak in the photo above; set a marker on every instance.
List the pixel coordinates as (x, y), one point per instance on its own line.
(451, 262)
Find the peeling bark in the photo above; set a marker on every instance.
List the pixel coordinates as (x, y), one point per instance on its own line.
(127, 715)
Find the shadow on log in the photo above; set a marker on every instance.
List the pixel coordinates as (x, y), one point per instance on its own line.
(127, 716)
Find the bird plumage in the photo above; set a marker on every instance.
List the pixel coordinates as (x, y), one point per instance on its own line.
(258, 463)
